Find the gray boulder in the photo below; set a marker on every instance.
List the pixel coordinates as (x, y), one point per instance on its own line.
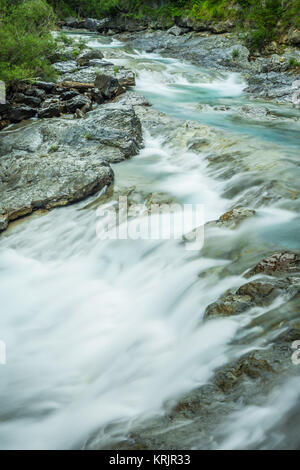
(77, 102)
(88, 74)
(59, 161)
(35, 91)
(108, 86)
(32, 101)
(66, 67)
(85, 57)
(46, 86)
(175, 30)
(68, 94)
(53, 110)
(72, 22)
(17, 114)
(91, 24)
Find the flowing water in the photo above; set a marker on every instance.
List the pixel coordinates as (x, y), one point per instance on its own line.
(101, 335)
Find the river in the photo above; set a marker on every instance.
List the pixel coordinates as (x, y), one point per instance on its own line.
(103, 336)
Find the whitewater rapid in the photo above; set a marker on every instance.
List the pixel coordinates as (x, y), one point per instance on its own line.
(102, 334)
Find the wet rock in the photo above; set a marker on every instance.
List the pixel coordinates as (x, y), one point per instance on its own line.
(272, 85)
(35, 91)
(32, 101)
(72, 22)
(78, 102)
(286, 262)
(228, 305)
(252, 294)
(3, 222)
(247, 367)
(51, 182)
(132, 99)
(288, 336)
(88, 55)
(17, 114)
(294, 37)
(46, 86)
(98, 97)
(91, 24)
(254, 112)
(257, 291)
(88, 75)
(122, 23)
(67, 95)
(66, 67)
(53, 110)
(108, 86)
(175, 30)
(4, 123)
(103, 25)
(221, 27)
(80, 86)
(235, 216)
(4, 108)
(55, 162)
(99, 63)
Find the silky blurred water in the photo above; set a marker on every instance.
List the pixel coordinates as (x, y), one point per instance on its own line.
(100, 334)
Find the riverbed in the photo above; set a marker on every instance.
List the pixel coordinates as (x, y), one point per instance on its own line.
(104, 337)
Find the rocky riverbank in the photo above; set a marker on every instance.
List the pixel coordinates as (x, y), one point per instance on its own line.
(82, 83)
(274, 76)
(248, 275)
(57, 161)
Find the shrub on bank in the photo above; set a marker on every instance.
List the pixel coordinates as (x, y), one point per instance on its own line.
(25, 40)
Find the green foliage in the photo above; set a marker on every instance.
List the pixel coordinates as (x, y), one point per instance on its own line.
(25, 41)
(85, 8)
(208, 10)
(293, 63)
(53, 148)
(64, 39)
(235, 53)
(27, 47)
(265, 18)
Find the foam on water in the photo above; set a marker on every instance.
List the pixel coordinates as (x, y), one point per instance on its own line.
(100, 334)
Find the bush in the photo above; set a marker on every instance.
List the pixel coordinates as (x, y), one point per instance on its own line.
(293, 62)
(25, 40)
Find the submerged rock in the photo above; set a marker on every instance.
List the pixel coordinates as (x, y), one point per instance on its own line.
(233, 217)
(277, 264)
(250, 366)
(261, 292)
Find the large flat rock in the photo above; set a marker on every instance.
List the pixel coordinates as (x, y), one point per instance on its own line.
(55, 162)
